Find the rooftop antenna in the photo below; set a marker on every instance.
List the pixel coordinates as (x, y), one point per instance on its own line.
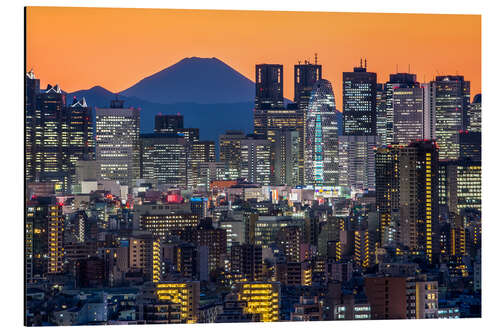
(361, 62)
(315, 58)
(365, 63)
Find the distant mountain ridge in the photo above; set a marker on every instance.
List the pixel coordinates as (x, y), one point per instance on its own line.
(194, 80)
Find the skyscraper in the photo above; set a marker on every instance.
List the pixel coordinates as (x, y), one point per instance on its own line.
(381, 114)
(450, 101)
(270, 123)
(321, 137)
(418, 198)
(357, 161)
(256, 160)
(117, 143)
(396, 81)
(268, 86)
(51, 139)
(201, 152)
(81, 135)
(305, 76)
(163, 159)
(387, 174)
(31, 90)
(359, 102)
(286, 157)
(408, 108)
(474, 115)
(230, 151)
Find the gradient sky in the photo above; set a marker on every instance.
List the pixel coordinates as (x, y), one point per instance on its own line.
(78, 48)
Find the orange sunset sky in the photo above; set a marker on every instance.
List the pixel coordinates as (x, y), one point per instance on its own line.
(78, 48)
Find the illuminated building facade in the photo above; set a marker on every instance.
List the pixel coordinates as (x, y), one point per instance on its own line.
(161, 225)
(359, 89)
(164, 159)
(321, 138)
(261, 298)
(55, 229)
(230, 152)
(469, 145)
(460, 185)
(268, 86)
(256, 160)
(357, 161)
(474, 115)
(31, 89)
(81, 135)
(272, 124)
(450, 101)
(287, 158)
(418, 198)
(117, 143)
(408, 109)
(187, 294)
(51, 139)
(387, 175)
(246, 260)
(381, 107)
(200, 152)
(396, 81)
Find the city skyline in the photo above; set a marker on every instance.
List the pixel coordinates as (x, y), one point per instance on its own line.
(301, 214)
(114, 58)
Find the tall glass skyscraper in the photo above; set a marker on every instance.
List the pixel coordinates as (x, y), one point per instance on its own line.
(360, 102)
(321, 144)
(268, 86)
(117, 143)
(450, 100)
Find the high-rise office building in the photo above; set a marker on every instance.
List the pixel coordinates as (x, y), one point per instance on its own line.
(450, 102)
(164, 159)
(408, 109)
(256, 160)
(230, 151)
(305, 76)
(81, 135)
(396, 81)
(32, 90)
(201, 152)
(357, 161)
(321, 137)
(269, 123)
(381, 107)
(268, 86)
(117, 143)
(418, 198)
(286, 157)
(359, 102)
(460, 185)
(51, 139)
(387, 173)
(429, 113)
(474, 115)
(469, 145)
